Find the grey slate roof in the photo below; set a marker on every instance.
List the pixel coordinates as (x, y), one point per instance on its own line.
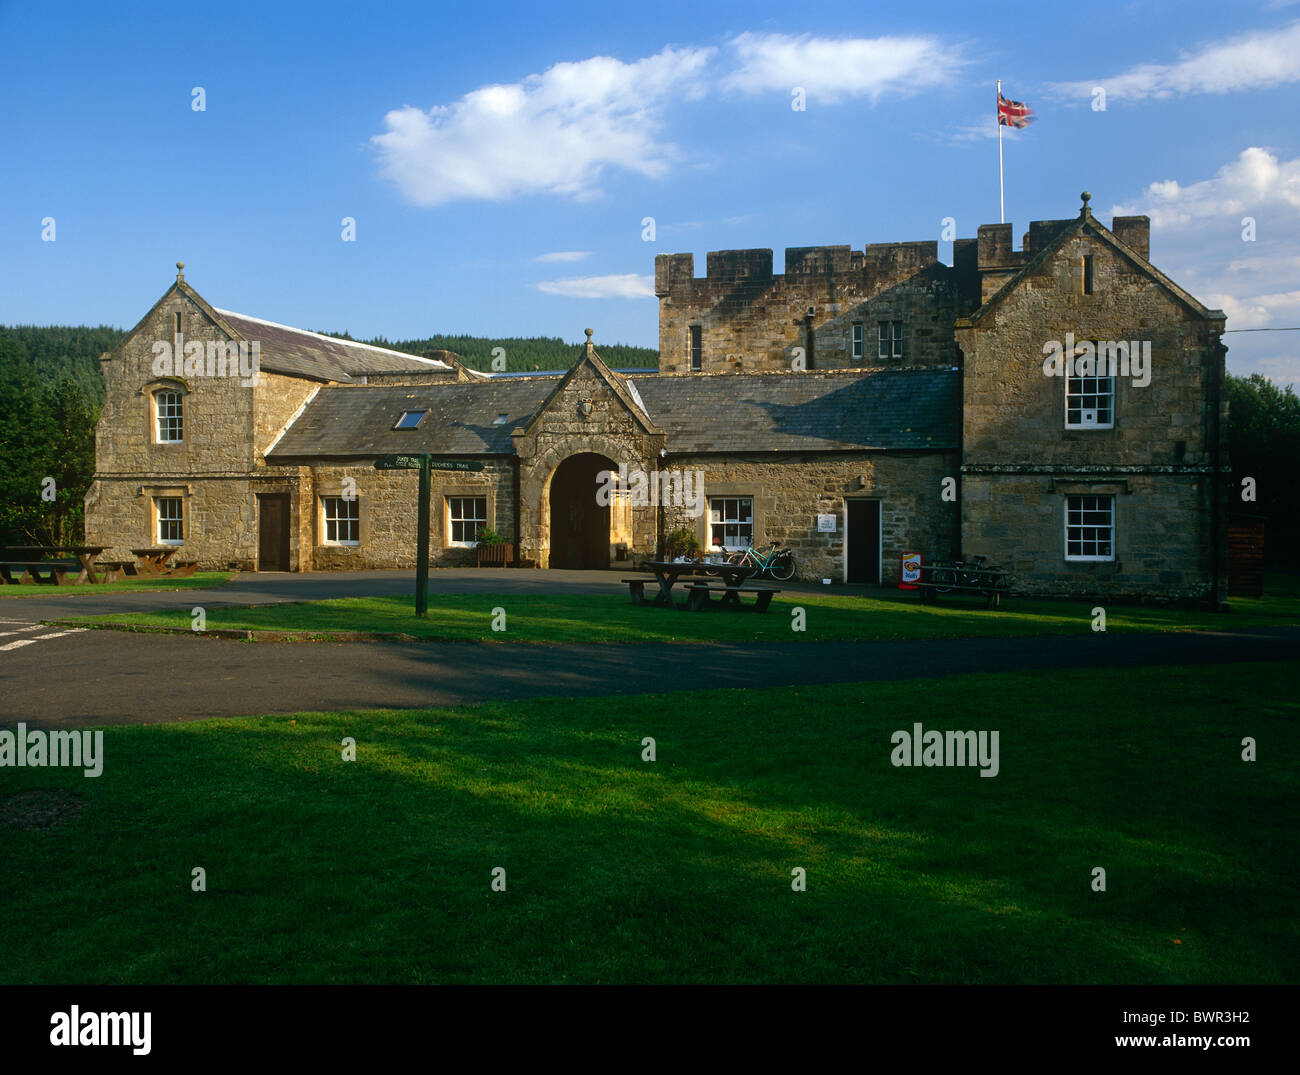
(734, 413)
(308, 354)
(804, 412)
(359, 420)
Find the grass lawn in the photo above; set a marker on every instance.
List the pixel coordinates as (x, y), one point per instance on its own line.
(613, 618)
(199, 580)
(621, 870)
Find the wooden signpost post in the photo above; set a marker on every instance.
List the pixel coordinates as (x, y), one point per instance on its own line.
(424, 463)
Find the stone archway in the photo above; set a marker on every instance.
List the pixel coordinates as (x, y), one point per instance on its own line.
(579, 536)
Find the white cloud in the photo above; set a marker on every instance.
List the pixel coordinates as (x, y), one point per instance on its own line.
(558, 132)
(1254, 60)
(552, 133)
(617, 286)
(830, 69)
(1197, 239)
(563, 255)
(1249, 186)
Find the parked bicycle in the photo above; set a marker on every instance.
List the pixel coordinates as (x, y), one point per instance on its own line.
(975, 572)
(775, 563)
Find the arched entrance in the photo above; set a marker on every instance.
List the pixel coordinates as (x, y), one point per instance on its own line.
(579, 526)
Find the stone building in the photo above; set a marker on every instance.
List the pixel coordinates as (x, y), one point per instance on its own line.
(855, 407)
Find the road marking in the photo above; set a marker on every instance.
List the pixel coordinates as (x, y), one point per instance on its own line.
(20, 630)
(41, 638)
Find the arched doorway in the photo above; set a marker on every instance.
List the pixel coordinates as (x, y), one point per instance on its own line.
(579, 526)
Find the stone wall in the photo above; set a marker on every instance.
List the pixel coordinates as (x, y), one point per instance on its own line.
(1161, 545)
(789, 495)
(212, 469)
(752, 319)
(612, 427)
(389, 503)
(1019, 457)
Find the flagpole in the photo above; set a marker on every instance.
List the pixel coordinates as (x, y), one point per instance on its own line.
(1002, 205)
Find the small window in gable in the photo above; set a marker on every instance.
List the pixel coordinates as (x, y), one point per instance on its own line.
(500, 420)
(410, 420)
(168, 416)
(1087, 274)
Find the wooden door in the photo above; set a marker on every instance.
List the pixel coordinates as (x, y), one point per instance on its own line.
(863, 541)
(273, 531)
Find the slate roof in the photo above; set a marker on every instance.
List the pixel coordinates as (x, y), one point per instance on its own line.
(804, 412)
(308, 354)
(733, 413)
(359, 420)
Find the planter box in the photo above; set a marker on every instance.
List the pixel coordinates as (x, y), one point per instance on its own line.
(495, 555)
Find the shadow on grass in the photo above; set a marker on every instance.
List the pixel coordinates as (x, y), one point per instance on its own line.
(679, 870)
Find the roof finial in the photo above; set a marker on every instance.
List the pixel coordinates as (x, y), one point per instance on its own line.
(590, 346)
(180, 271)
(1087, 197)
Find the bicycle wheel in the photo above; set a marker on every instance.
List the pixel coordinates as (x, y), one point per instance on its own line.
(737, 559)
(944, 579)
(782, 568)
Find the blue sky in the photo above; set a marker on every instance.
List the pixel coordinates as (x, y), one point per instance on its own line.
(499, 160)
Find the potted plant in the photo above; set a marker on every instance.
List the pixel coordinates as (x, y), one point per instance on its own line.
(493, 550)
(681, 542)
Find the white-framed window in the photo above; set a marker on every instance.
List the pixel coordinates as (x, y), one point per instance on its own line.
(858, 350)
(466, 516)
(342, 518)
(1089, 402)
(168, 414)
(731, 522)
(697, 348)
(170, 513)
(1089, 527)
(891, 339)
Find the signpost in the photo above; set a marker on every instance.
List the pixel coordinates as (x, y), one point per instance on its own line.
(424, 463)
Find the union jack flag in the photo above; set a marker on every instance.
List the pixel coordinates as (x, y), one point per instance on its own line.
(1014, 113)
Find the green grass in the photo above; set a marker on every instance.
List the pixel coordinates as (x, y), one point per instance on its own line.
(613, 618)
(620, 870)
(199, 580)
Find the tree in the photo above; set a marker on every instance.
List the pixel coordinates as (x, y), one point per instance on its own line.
(1264, 444)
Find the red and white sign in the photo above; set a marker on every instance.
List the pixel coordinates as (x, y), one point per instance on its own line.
(909, 570)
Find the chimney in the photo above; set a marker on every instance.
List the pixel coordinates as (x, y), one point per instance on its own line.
(1134, 232)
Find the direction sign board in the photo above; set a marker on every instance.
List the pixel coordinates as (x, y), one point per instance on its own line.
(414, 462)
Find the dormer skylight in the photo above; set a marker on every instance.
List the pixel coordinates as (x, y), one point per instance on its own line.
(410, 419)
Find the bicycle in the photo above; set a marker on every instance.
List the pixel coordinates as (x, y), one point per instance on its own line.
(777, 564)
(973, 573)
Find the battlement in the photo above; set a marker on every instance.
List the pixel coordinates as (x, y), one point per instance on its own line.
(729, 268)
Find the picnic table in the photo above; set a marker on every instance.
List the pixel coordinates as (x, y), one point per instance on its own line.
(153, 560)
(989, 582)
(50, 563)
(696, 577)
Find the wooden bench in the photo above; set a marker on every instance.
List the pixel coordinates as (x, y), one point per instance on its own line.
(699, 595)
(636, 587)
(50, 572)
(182, 568)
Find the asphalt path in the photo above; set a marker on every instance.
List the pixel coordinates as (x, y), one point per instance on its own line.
(110, 677)
(270, 587)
